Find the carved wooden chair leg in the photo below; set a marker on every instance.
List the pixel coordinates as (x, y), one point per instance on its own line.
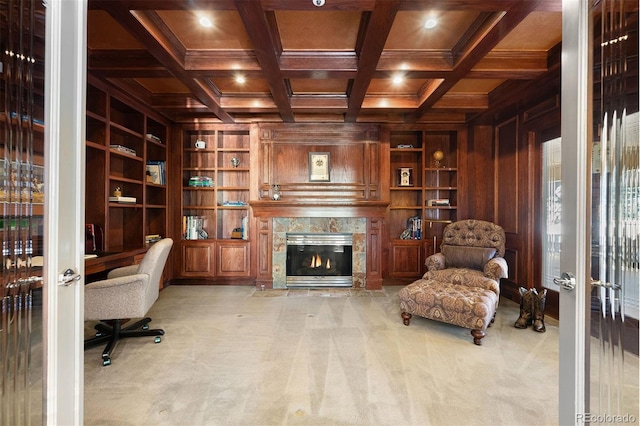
(477, 336)
(406, 317)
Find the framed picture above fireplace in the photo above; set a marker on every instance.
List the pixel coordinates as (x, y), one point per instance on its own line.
(319, 167)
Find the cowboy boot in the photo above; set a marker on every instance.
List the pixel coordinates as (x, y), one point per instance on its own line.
(526, 309)
(539, 302)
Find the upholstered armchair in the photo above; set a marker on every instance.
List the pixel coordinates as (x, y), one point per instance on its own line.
(471, 250)
(128, 292)
(462, 282)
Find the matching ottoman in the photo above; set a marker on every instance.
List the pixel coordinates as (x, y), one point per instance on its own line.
(458, 304)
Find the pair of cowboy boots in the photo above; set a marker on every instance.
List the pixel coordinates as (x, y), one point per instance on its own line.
(532, 306)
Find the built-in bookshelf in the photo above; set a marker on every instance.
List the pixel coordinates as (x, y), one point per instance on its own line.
(423, 195)
(126, 206)
(215, 201)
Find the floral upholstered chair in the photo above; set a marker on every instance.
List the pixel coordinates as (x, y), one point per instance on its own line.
(462, 282)
(470, 249)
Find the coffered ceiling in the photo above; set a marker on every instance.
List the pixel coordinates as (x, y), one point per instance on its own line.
(346, 61)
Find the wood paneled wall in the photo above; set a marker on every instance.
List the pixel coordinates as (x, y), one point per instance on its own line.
(504, 172)
(355, 161)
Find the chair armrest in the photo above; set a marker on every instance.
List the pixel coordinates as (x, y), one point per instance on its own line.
(122, 297)
(435, 262)
(496, 268)
(122, 271)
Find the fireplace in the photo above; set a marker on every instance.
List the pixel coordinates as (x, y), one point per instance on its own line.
(319, 259)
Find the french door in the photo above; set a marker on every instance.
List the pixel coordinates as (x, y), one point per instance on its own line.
(42, 78)
(600, 213)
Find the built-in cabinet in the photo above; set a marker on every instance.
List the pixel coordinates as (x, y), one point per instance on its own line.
(423, 193)
(215, 212)
(127, 205)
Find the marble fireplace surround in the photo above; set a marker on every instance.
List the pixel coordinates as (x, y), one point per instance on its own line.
(283, 225)
(273, 219)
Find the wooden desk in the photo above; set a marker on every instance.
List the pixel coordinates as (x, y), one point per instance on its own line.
(110, 260)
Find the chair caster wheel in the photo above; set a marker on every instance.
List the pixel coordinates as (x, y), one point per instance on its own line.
(157, 339)
(145, 327)
(106, 361)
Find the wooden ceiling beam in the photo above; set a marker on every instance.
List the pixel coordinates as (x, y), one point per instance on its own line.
(257, 26)
(492, 31)
(144, 28)
(482, 5)
(463, 101)
(378, 27)
(164, 4)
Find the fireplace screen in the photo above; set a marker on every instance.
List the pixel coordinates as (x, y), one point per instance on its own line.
(319, 259)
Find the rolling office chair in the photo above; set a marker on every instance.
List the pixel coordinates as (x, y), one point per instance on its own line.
(128, 292)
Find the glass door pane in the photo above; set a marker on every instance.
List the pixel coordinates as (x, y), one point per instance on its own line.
(22, 210)
(552, 211)
(615, 215)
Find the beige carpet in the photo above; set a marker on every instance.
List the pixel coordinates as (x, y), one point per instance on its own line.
(233, 356)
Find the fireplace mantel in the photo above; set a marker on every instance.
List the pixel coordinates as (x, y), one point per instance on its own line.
(321, 208)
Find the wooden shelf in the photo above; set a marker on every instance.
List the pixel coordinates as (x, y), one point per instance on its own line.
(111, 121)
(429, 182)
(218, 256)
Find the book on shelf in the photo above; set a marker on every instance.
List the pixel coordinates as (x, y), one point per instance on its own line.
(123, 200)
(413, 231)
(154, 137)
(156, 172)
(152, 238)
(123, 149)
(193, 228)
(416, 230)
(438, 202)
(201, 181)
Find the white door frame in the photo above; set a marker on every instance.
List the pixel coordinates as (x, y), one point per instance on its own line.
(63, 332)
(576, 246)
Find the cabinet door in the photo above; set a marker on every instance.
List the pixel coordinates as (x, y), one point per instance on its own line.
(406, 259)
(232, 259)
(198, 259)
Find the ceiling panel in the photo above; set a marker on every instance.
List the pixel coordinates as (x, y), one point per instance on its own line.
(163, 85)
(228, 85)
(318, 30)
(104, 32)
(538, 31)
(226, 31)
(319, 86)
(409, 32)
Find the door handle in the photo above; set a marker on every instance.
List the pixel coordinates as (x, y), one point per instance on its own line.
(599, 283)
(68, 277)
(566, 281)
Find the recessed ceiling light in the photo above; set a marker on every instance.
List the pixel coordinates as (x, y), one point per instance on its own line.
(205, 22)
(240, 79)
(398, 79)
(430, 23)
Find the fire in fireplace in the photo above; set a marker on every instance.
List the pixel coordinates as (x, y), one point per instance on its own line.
(319, 259)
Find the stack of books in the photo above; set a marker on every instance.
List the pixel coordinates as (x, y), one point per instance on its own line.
(414, 224)
(123, 149)
(438, 202)
(152, 238)
(201, 181)
(193, 228)
(124, 200)
(154, 137)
